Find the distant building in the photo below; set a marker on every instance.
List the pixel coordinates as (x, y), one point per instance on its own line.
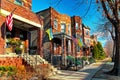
(26, 26)
(93, 40)
(60, 45)
(76, 24)
(86, 40)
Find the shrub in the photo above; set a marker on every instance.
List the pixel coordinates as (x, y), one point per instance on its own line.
(91, 60)
(78, 62)
(98, 51)
(11, 68)
(84, 58)
(9, 73)
(3, 68)
(2, 73)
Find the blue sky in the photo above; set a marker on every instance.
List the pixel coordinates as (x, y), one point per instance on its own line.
(89, 14)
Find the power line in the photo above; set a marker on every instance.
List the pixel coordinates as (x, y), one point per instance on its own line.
(78, 4)
(87, 10)
(57, 4)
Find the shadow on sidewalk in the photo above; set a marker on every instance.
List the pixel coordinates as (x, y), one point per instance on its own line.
(101, 75)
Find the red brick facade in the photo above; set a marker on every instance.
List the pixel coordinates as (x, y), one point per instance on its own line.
(76, 24)
(86, 36)
(93, 40)
(23, 20)
(86, 40)
(49, 16)
(61, 43)
(11, 61)
(22, 11)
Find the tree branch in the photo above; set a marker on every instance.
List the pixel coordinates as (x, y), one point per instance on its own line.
(107, 13)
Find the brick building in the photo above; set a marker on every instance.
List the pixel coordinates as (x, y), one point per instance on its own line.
(26, 26)
(86, 40)
(60, 45)
(76, 23)
(93, 40)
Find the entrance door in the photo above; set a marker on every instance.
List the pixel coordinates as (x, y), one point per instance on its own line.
(33, 42)
(17, 38)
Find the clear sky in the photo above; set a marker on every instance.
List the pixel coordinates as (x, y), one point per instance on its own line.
(86, 9)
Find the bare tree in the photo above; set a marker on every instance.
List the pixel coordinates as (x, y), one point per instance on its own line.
(111, 9)
(108, 48)
(108, 29)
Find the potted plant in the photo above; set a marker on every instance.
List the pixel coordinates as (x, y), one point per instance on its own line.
(15, 44)
(18, 50)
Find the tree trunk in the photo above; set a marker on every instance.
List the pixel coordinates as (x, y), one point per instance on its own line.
(114, 49)
(116, 68)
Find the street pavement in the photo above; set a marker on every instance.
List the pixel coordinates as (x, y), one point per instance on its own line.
(85, 73)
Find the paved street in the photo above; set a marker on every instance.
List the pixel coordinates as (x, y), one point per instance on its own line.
(84, 74)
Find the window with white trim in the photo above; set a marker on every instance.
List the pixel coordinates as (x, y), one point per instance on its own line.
(77, 35)
(88, 41)
(80, 27)
(55, 24)
(63, 27)
(19, 2)
(76, 26)
(69, 29)
(87, 32)
(78, 48)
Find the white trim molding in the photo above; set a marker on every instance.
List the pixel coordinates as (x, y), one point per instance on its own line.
(4, 12)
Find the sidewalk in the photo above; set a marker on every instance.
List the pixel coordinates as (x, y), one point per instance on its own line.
(84, 74)
(101, 75)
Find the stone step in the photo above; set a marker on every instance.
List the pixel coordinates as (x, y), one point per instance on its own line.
(34, 60)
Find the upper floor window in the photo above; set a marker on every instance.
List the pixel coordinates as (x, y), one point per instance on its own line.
(19, 2)
(76, 25)
(87, 32)
(55, 24)
(63, 27)
(80, 27)
(78, 48)
(77, 35)
(69, 29)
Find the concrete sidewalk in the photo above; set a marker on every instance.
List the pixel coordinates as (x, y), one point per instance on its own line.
(84, 74)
